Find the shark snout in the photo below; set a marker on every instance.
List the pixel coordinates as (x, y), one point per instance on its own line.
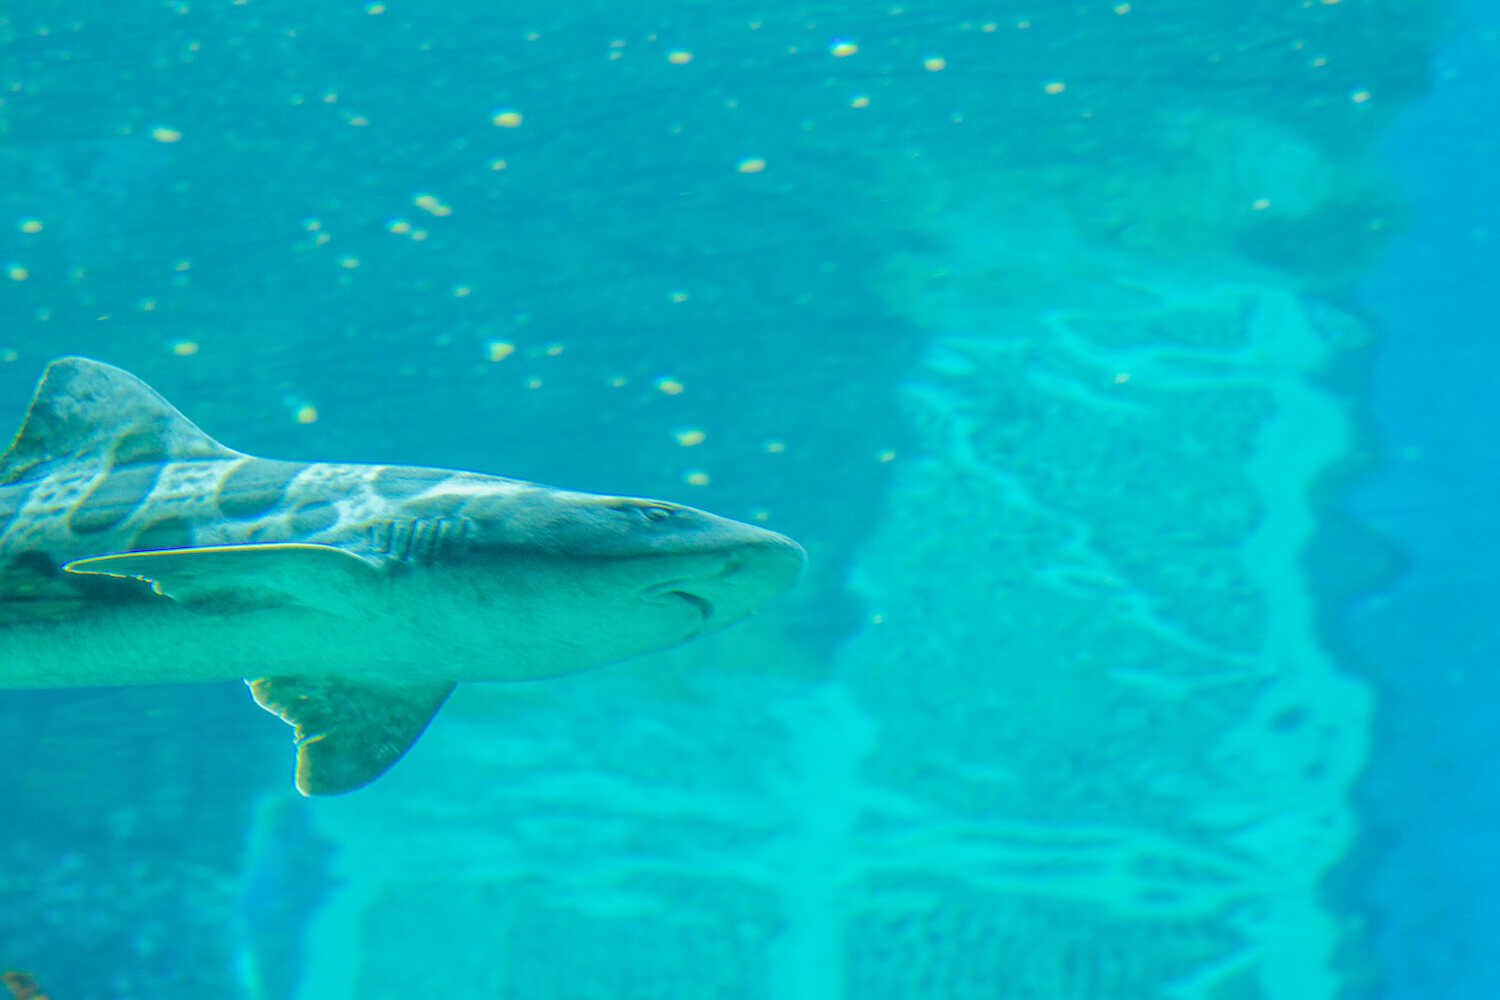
(726, 585)
(769, 563)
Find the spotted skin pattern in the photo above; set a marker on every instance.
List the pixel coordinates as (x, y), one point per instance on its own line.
(378, 510)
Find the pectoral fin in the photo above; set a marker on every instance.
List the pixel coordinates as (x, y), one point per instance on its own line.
(237, 576)
(348, 734)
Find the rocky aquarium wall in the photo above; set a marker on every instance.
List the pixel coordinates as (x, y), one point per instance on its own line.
(1112, 754)
(1090, 737)
(1089, 742)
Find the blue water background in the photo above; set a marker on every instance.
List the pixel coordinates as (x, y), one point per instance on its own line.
(1433, 639)
(640, 265)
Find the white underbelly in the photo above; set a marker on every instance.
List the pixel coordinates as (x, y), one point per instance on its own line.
(167, 644)
(419, 640)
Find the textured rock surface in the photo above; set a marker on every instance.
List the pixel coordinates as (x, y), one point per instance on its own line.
(1109, 740)
(616, 834)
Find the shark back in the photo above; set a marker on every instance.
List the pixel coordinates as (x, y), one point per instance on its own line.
(86, 412)
(78, 482)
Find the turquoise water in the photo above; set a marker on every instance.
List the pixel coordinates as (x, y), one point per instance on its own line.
(1079, 345)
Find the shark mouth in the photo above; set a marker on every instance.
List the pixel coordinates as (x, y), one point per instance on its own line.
(671, 591)
(705, 609)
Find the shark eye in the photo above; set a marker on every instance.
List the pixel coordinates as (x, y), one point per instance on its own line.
(654, 512)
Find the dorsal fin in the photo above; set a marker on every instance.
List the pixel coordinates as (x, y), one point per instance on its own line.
(84, 408)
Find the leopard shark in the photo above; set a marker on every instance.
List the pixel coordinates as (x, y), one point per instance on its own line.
(137, 549)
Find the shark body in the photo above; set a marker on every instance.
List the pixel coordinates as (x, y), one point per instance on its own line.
(136, 549)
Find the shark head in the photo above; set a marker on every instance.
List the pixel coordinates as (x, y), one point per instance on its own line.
(590, 579)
